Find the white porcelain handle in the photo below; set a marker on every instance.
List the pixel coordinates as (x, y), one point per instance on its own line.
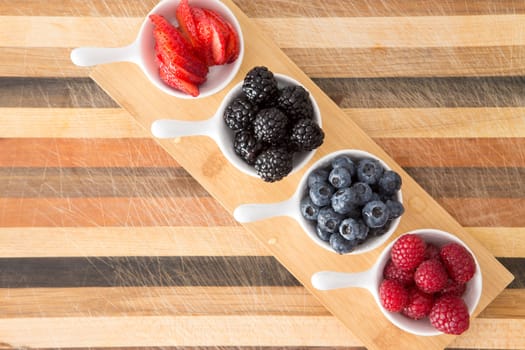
(169, 128)
(255, 212)
(91, 56)
(328, 280)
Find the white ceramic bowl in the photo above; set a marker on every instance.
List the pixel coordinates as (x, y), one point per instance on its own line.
(142, 51)
(371, 279)
(216, 128)
(291, 207)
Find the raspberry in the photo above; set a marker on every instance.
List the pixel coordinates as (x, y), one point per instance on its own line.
(450, 315)
(454, 288)
(393, 295)
(408, 251)
(418, 305)
(392, 272)
(458, 261)
(431, 276)
(432, 252)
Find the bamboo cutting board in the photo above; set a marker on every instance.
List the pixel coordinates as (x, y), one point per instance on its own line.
(283, 237)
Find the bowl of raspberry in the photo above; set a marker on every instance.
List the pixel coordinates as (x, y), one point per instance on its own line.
(348, 202)
(186, 48)
(267, 126)
(426, 282)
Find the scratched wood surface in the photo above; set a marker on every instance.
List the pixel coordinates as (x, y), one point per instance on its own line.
(127, 249)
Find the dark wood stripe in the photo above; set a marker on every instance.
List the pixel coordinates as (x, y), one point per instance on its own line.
(471, 182)
(108, 212)
(164, 271)
(98, 182)
(347, 92)
(425, 92)
(143, 272)
(455, 152)
(176, 182)
(59, 152)
(422, 62)
(53, 92)
(275, 8)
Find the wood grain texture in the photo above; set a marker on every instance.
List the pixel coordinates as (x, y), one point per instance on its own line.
(82, 182)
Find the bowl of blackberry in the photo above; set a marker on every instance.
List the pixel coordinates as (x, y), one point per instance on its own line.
(348, 202)
(426, 282)
(268, 125)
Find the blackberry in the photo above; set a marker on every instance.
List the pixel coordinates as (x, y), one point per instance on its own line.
(246, 146)
(260, 85)
(239, 114)
(295, 101)
(270, 126)
(307, 135)
(273, 164)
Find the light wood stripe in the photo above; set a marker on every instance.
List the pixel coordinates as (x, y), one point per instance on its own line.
(316, 63)
(69, 123)
(128, 241)
(273, 8)
(335, 32)
(184, 241)
(376, 122)
(195, 300)
(325, 331)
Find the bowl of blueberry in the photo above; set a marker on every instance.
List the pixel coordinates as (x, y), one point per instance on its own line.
(267, 126)
(348, 202)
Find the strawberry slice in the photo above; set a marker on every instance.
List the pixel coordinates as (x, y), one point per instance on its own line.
(181, 72)
(184, 16)
(219, 38)
(171, 79)
(173, 49)
(232, 48)
(205, 34)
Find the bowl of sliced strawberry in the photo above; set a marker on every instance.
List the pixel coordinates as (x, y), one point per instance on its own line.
(186, 48)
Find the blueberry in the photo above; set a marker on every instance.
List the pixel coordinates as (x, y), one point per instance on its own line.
(340, 177)
(318, 175)
(342, 201)
(369, 171)
(396, 208)
(375, 214)
(323, 235)
(353, 230)
(340, 244)
(390, 182)
(361, 193)
(320, 193)
(377, 231)
(309, 209)
(345, 162)
(328, 220)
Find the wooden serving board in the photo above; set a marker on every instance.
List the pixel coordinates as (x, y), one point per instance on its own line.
(283, 237)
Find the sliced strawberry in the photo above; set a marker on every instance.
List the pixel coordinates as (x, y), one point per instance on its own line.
(205, 34)
(169, 77)
(187, 23)
(233, 47)
(219, 39)
(172, 47)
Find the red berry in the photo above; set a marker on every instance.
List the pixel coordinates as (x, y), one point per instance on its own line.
(393, 295)
(408, 251)
(431, 276)
(458, 261)
(454, 288)
(392, 272)
(450, 315)
(432, 252)
(418, 305)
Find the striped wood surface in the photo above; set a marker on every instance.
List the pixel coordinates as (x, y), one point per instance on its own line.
(101, 230)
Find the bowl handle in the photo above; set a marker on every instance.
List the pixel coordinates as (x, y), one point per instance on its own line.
(328, 280)
(255, 212)
(91, 56)
(170, 128)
